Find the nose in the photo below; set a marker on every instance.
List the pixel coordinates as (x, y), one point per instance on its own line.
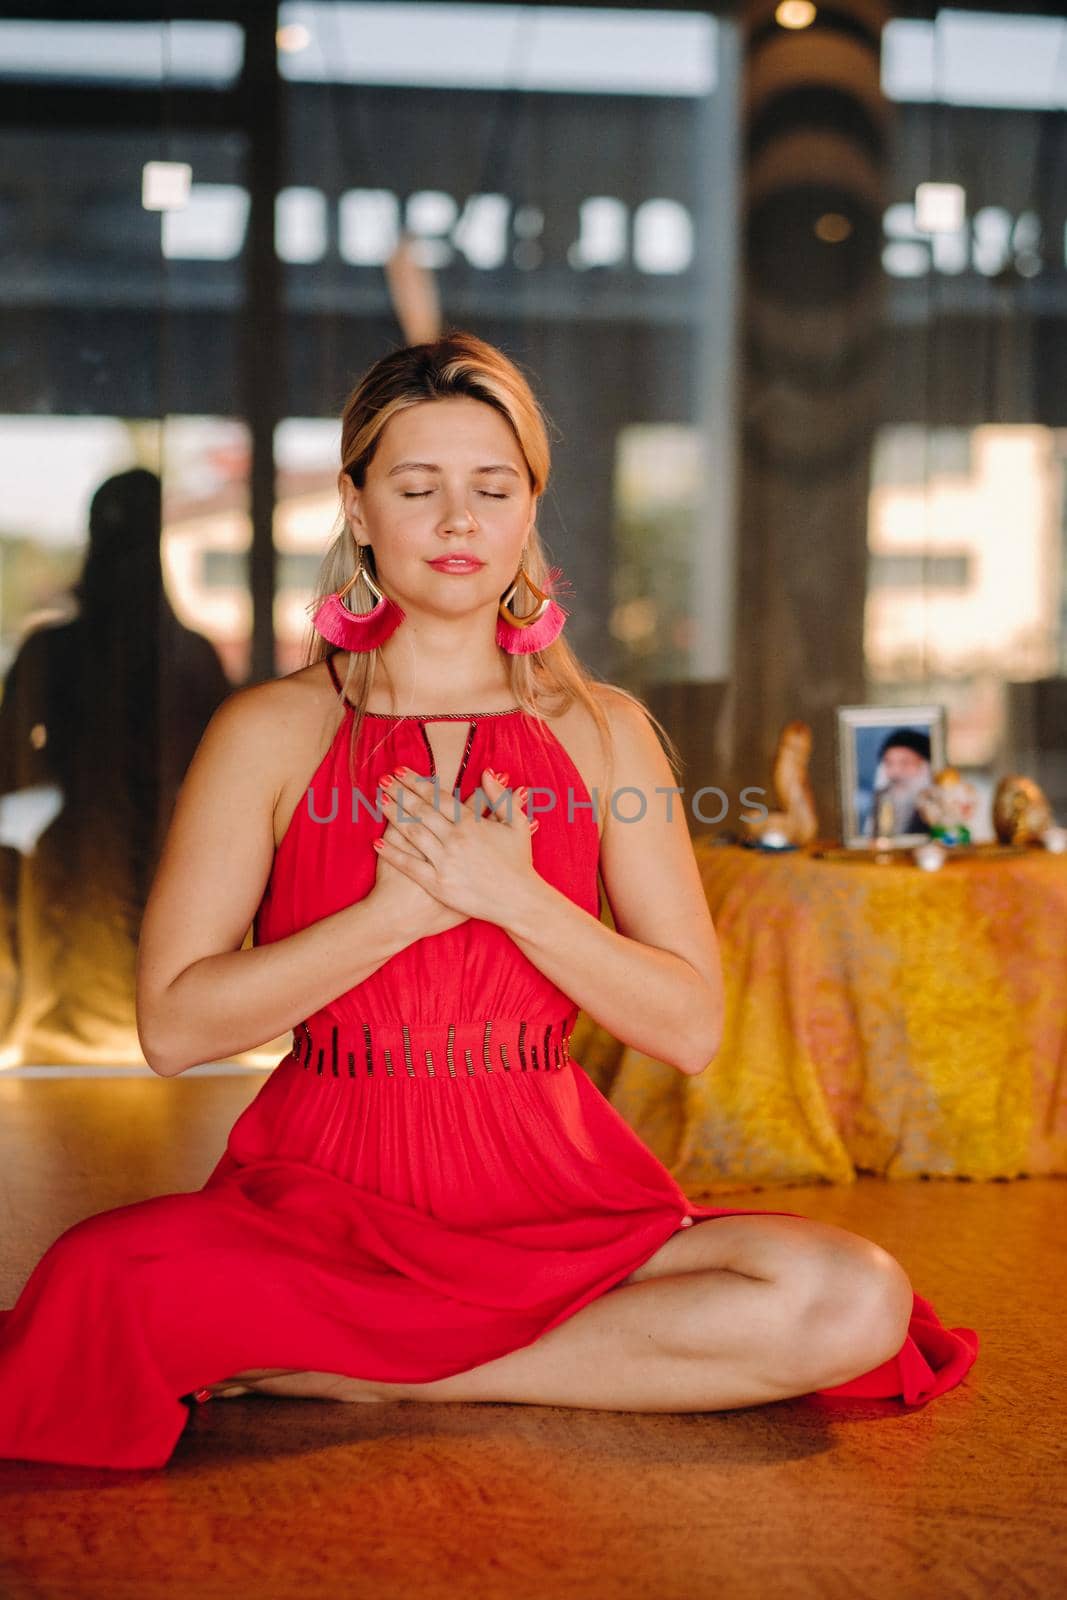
(459, 517)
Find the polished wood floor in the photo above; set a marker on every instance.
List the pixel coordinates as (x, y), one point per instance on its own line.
(275, 1498)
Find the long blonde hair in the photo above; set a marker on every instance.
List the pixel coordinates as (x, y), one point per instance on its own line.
(458, 363)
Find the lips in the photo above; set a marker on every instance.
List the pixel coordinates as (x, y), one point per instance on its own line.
(457, 564)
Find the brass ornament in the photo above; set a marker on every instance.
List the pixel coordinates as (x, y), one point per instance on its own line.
(1021, 813)
(795, 820)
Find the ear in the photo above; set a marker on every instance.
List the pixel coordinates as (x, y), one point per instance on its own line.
(352, 500)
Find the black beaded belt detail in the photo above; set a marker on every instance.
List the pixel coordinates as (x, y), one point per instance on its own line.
(462, 1049)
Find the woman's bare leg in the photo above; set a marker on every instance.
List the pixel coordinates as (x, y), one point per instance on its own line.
(702, 1341)
(815, 1307)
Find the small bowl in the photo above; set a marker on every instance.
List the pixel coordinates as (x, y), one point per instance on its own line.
(930, 857)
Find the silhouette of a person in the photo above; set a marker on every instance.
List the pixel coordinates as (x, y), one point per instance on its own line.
(108, 709)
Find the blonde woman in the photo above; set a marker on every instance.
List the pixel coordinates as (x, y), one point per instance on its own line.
(428, 1199)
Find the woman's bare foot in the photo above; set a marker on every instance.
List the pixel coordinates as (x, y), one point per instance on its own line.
(285, 1382)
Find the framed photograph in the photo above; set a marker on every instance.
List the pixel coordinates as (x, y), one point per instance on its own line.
(886, 756)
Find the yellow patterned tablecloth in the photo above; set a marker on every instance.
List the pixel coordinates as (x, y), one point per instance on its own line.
(878, 1019)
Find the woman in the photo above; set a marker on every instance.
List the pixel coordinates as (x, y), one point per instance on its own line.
(426, 1200)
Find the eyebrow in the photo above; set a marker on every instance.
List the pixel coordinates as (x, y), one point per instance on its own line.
(431, 466)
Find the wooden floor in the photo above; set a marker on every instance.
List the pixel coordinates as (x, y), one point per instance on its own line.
(275, 1498)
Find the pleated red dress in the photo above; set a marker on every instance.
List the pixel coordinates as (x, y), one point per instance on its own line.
(426, 1181)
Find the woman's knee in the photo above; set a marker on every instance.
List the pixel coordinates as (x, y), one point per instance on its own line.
(857, 1311)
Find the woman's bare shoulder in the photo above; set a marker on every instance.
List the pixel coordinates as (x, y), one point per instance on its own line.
(278, 707)
(278, 731)
(576, 729)
(618, 707)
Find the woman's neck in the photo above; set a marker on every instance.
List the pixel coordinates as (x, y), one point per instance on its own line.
(433, 692)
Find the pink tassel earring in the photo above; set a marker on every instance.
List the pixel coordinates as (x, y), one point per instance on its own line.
(522, 635)
(353, 630)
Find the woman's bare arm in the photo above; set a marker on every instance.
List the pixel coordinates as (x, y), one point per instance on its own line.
(200, 996)
(655, 980)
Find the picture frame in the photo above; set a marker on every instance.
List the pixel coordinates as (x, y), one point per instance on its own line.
(885, 755)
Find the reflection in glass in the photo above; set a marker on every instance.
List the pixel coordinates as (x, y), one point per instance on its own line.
(967, 554)
(101, 714)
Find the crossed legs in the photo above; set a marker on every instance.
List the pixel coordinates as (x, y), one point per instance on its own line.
(734, 1311)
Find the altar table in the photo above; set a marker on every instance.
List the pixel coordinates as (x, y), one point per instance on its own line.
(879, 1019)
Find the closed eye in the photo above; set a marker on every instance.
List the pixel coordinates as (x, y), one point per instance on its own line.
(420, 494)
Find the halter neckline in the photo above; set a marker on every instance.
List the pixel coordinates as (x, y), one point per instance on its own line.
(419, 716)
(439, 716)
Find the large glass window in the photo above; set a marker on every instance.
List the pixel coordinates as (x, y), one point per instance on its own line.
(561, 175)
(966, 573)
(201, 221)
(125, 613)
(968, 510)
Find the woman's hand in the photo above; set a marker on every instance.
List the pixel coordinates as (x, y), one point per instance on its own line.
(402, 900)
(476, 866)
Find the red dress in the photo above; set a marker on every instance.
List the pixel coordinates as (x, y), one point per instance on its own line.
(426, 1181)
